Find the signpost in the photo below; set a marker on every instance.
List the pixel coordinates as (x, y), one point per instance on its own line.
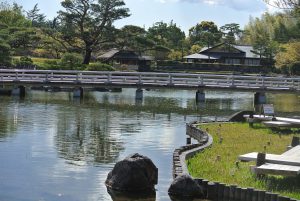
(268, 109)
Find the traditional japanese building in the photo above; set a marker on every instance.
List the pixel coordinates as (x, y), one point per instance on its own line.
(128, 58)
(226, 54)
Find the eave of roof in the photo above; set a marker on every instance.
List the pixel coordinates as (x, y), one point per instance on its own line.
(199, 56)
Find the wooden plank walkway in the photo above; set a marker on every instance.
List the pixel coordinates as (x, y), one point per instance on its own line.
(287, 164)
(277, 169)
(277, 123)
(272, 158)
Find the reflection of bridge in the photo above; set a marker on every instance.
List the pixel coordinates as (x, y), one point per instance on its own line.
(90, 79)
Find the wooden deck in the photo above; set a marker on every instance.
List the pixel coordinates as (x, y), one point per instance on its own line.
(276, 169)
(287, 164)
(277, 123)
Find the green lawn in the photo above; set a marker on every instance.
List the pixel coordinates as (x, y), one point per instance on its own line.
(219, 163)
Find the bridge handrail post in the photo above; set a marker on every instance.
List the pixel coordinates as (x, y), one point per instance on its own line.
(46, 80)
(170, 79)
(263, 81)
(232, 81)
(78, 76)
(140, 78)
(17, 76)
(109, 77)
(201, 80)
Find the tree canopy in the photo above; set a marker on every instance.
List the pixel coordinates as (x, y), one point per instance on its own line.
(205, 34)
(86, 24)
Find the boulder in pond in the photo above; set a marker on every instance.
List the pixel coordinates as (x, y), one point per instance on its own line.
(185, 186)
(136, 174)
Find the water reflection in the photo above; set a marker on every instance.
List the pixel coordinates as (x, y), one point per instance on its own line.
(66, 147)
(85, 135)
(119, 196)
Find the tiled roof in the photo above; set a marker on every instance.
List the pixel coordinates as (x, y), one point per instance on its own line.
(199, 56)
(108, 54)
(247, 49)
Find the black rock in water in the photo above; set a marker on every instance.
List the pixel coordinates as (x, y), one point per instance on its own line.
(136, 174)
(185, 186)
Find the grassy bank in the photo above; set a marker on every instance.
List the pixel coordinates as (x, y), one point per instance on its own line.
(219, 163)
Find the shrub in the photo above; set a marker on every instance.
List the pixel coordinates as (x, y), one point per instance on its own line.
(99, 67)
(48, 64)
(5, 58)
(71, 61)
(23, 62)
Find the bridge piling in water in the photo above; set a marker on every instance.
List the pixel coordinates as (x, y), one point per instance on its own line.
(200, 96)
(78, 92)
(260, 98)
(139, 94)
(18, 91)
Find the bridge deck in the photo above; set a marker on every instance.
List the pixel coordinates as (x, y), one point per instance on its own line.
(149, 80)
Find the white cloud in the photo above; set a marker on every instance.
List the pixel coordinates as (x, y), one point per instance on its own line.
(240, 5)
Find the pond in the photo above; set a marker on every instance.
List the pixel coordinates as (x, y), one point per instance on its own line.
(55, 147)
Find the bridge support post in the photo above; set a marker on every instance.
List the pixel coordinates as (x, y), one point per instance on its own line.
(18, 91)
(78, 92)
(139, 94)
(260, 98)
(200, 96)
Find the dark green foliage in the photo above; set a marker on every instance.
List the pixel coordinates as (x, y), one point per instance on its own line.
(24, 61)
(231, 32)
(99, 67)
(37, 19)
(5, 58)
(12, 15)
(85, 24)
(205, 34)
(50, 64)
(71, 61)
(168, 35)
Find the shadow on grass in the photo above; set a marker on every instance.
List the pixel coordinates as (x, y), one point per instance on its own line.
(279, 183)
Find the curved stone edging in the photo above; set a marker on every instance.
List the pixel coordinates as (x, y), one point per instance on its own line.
(183, 153)
(216, 190)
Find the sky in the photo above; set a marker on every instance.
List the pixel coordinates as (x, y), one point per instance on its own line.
(185, 13)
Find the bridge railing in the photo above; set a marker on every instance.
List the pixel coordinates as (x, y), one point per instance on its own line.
(148, 78)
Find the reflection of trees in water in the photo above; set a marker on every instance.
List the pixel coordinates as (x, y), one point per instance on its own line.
(8, 118)
(85, 135)
(286, 103)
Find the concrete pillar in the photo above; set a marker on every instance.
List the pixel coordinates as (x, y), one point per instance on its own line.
(200, 96)
(139, 94)
(260, 98)
(19, 91)
(78, 92)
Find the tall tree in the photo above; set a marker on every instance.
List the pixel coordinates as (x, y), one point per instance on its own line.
(166, 34)
(16, 30)
(231, 32)
(284, 4)
(37, 19)
(205, 34)
(289, 58)
(129, 37)
(89, 23)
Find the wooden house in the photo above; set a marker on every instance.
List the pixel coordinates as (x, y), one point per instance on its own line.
(126, 58)
(226, 54)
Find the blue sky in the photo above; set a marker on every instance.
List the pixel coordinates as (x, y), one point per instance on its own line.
(185, 13)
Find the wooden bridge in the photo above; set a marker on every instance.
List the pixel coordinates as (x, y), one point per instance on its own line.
(140, 80)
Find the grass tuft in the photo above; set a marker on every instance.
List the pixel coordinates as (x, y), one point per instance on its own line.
(219, 163)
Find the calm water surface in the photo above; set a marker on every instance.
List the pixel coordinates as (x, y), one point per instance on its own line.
(54, 147)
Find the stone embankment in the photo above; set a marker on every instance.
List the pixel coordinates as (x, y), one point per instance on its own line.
(215, 191)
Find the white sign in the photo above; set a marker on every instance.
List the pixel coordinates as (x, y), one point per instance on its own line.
(268, 109)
